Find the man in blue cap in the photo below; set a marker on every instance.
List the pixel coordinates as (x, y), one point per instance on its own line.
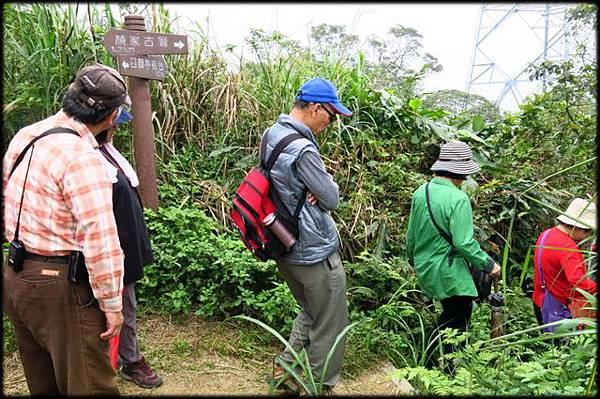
(313, 269)
(135, 243)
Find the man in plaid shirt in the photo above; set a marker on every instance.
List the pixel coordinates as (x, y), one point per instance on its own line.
(60, 196)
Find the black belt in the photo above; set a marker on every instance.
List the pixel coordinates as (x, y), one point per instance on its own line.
(47, 259)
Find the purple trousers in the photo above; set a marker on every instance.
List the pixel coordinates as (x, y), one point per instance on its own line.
(129, 351)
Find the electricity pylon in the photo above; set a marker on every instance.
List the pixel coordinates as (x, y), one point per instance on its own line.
(510, 38)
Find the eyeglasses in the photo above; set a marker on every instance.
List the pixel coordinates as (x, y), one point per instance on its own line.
(331, 114)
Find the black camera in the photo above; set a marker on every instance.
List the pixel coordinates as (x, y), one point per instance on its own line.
(77, 269)
(16, 255)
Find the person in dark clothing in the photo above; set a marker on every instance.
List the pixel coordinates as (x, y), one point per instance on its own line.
(135, 242)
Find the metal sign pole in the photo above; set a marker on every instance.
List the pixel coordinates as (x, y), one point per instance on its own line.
(143, 131)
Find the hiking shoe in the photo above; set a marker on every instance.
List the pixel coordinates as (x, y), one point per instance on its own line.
(282, 381)
(327, 391)
(140, 373)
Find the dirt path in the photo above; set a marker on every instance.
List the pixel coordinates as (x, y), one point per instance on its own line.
(208, 358)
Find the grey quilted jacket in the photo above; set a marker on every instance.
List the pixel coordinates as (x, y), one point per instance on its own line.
(318, 236)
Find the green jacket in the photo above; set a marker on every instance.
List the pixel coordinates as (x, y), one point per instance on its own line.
(428, 251)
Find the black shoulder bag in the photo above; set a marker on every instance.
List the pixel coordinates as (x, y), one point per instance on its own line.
(482, 280)
(16, 250)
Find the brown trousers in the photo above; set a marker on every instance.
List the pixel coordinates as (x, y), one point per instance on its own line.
(58, 327)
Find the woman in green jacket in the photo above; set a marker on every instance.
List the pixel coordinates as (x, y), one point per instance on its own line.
(442, 271)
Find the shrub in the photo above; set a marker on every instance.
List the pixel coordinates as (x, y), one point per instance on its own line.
(200, 268)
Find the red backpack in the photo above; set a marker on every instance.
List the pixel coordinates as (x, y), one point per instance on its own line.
(256, 198)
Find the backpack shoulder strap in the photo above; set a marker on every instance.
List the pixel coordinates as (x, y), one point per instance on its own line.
(46, 133)
(445, 235)
(539, 258)
(263, 148)
(284, 142)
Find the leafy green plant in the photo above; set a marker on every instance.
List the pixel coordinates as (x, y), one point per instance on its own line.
(200, 268)
(308, 381)
(513, 369)
(9, 339)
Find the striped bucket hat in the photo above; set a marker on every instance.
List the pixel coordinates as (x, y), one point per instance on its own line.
(456, 157)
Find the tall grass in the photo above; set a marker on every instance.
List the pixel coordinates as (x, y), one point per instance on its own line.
(44, 46)
(310, 383)
(524, 194)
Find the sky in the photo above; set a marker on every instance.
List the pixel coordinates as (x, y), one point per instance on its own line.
(448, 32)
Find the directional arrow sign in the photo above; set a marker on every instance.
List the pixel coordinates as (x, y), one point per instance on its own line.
(142, 66)
(140, 42)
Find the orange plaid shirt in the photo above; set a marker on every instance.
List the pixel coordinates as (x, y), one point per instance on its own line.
(67, 204)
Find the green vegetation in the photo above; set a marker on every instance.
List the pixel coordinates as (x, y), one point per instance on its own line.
(207, 126)
(301, 370)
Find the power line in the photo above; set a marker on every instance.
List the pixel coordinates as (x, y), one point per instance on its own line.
(541, 34)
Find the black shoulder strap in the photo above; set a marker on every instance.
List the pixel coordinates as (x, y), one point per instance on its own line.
(279, 147)
(277, 150)
(46, 133)
(263, 148)
(445, 235)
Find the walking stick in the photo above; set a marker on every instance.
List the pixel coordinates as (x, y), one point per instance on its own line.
(497, 302)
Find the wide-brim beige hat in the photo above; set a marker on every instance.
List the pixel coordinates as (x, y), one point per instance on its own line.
(580, 213)
(456, 157)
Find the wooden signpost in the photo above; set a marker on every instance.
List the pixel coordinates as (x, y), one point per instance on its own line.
(139, 56)
(142, 66)
(138, 42)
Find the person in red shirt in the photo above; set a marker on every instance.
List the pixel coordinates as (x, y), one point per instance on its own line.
(562, 263)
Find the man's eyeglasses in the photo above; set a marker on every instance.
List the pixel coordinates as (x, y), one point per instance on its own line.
(331, 114)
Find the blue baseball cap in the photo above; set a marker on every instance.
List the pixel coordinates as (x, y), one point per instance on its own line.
(124, 117)
(319, 90)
